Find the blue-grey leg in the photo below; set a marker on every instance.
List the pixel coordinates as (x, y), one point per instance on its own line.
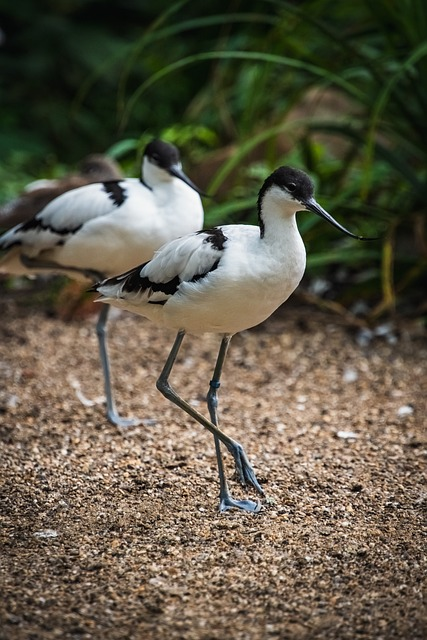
(225, 500)
(101, 332)
(244, 469)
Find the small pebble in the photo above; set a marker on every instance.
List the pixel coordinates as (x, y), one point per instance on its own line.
(46, 533)
(350, 375)
(347, 435)
(405, 410)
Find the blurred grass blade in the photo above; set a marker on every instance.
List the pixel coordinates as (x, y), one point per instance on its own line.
(258, 56)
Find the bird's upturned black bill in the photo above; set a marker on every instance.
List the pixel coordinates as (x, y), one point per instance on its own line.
(312, 205)
(175, 170)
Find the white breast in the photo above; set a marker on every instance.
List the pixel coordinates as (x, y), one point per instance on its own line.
(252, 279)
(250, 282)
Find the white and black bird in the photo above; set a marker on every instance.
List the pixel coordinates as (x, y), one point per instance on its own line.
(102, 229)
(223, 280)
(37, 194)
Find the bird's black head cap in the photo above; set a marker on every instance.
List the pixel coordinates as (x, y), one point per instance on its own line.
(166, 156)
(298, 184)
(163, 154)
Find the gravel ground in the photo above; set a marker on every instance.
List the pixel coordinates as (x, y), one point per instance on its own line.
(117, 535)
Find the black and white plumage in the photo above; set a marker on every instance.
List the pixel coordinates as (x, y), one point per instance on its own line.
(223, 280)
(102, 229)
(37, 194)
(107, 227)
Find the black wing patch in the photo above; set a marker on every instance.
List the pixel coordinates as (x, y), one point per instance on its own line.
(199, 276)
(215, 237)
(115, 192)
(40, 224)
(133, 282)
(168, 288)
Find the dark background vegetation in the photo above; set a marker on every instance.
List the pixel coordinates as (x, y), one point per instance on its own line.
(116, 535)
(338, 89)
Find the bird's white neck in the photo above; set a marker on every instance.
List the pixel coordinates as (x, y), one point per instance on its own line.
(277, 219)
(153, 175)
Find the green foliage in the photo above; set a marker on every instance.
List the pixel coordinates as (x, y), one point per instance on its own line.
(339, 90)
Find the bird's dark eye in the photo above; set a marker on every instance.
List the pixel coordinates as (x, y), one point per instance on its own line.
(291, 186)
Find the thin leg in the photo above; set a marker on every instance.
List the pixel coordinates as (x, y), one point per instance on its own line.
(101, 332)
(225, 500)
(244, 468)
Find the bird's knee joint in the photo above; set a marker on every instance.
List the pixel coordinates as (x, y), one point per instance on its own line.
(101, 331)
(164, 387)
(212, 397)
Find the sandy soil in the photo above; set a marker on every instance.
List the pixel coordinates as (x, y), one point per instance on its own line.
(109, 534)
